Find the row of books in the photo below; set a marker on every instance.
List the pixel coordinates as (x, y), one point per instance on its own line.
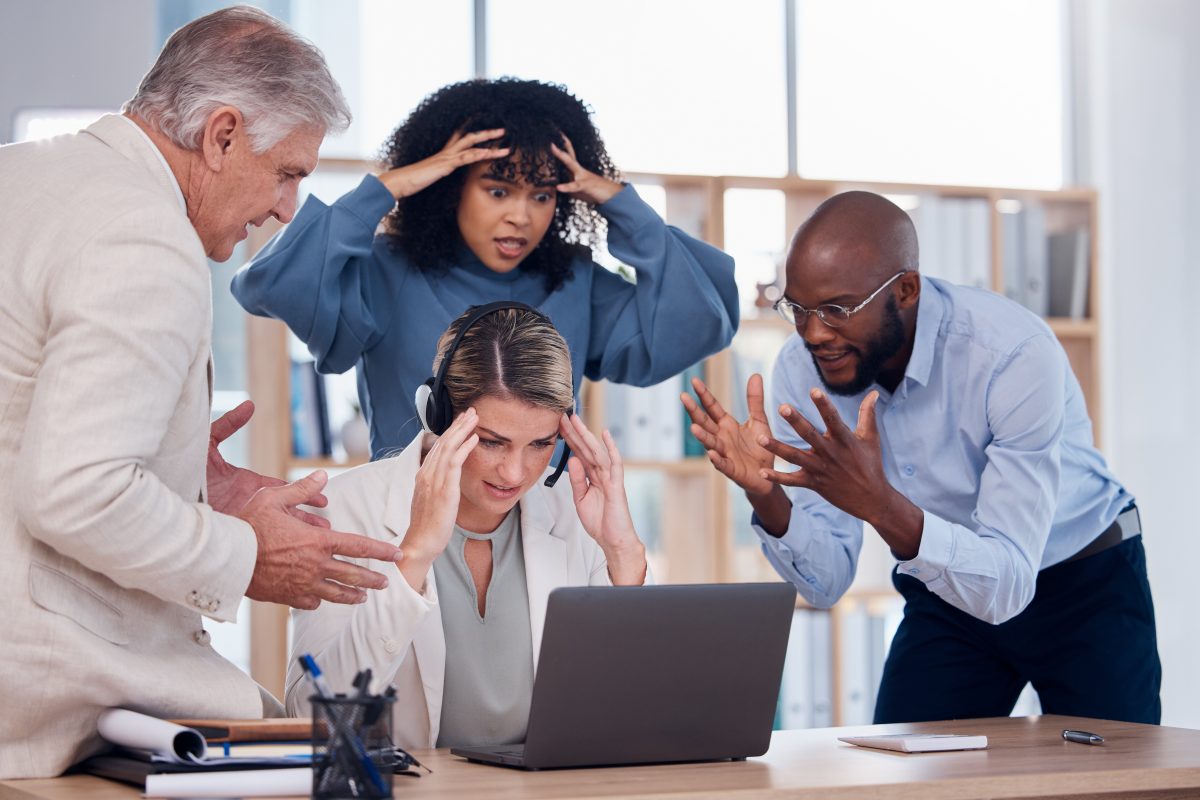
(312, 436)
(321, 408)
(650, 423)
(806, 694)
(954, 237)
(1045, 270)
(1048, 273)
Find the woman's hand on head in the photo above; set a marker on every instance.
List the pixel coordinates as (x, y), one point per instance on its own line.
(598, 486)
(595, 189)
(435, 498)
(460, 151)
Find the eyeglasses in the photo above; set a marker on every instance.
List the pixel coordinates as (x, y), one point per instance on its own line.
(834, 316)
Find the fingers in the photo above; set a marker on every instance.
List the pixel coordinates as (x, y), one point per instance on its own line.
(352, 545)
(792, 455)
(310, 519)
(349, 574)
(231, 422)
(866, 428)
(452, 440)
(754, 398)
(567, 156)
(614, 457)
(724, 465)
(708, 401)
(833, 421)
(476, 154)
(465, 151)
(802, 427)
(587, 446)
(337, 593)
(465, 140)
(269, 482)
(697, 415)
(797, 478)
(304, 602)
(579, 483)
(306, 491)
(709, 440)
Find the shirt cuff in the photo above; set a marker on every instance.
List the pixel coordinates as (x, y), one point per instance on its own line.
(220, 596)
(935, 553)
(793, 543)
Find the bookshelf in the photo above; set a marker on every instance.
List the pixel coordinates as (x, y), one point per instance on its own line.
(693, 520)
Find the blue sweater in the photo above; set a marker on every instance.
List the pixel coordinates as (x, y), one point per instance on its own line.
(355, 301)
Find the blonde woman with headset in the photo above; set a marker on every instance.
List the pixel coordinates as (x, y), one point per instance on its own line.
(484, 538)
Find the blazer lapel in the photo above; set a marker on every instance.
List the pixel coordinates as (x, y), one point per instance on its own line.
(546, 566)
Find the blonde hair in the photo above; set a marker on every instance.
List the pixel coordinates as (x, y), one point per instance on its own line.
(245, 58)
(512, 353)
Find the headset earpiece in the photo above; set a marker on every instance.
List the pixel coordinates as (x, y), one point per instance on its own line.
(423, 401)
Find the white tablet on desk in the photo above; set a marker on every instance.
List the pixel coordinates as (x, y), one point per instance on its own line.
(919, 742)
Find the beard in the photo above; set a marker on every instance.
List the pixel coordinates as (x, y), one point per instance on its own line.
(886, 342)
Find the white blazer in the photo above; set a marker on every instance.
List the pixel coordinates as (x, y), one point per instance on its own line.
(108, 556)
(397, 632)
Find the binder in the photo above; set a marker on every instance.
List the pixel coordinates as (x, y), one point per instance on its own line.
(216, 731)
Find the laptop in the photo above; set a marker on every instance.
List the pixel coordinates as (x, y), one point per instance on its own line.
(653, 674)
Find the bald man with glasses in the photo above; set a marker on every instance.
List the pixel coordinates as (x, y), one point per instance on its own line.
(948, 418)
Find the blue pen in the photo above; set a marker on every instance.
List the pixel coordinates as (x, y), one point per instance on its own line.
(309, 665)
(347, 734)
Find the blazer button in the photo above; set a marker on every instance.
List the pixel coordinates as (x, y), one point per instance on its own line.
(201, 637)
(391, 645)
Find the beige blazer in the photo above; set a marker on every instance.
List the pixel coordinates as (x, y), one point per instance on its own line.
(397, 632)
(108, 557)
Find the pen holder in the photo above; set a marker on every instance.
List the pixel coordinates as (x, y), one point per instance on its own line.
(353, 754)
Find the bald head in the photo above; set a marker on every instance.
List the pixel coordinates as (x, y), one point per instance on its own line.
(860, 232)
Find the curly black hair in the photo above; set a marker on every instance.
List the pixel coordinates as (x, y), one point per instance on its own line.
(533, 114)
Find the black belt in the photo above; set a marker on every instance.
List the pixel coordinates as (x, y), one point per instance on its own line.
(1127, 525)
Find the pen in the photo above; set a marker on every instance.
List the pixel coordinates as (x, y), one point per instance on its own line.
(309, 665)
(1082, 737)
(343, 731)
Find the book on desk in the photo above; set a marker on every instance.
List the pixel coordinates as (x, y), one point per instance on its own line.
(167, 758)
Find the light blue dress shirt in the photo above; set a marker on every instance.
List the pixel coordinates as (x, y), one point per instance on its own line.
(987, 433)
(355, 301)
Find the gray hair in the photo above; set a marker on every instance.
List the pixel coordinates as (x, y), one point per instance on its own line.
(245, 58)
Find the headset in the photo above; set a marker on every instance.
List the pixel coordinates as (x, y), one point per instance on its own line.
(434, 408)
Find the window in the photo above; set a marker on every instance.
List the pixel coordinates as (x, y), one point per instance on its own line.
(677, 86)
(43, 123)
(931, 91)
(387, 56)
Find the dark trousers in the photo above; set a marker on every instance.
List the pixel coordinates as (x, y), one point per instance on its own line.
(1087, 644)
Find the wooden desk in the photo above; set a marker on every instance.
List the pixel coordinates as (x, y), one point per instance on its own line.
(1026, 759)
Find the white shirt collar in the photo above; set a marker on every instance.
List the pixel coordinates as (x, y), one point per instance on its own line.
(161, 159)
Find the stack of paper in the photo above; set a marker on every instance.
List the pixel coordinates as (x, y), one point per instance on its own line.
(172, 760)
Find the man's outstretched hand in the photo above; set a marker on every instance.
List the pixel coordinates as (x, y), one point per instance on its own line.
(296, 564)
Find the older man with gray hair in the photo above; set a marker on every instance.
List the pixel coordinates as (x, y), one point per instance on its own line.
(120, 523)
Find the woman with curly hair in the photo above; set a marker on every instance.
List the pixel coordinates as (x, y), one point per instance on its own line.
(495, 190)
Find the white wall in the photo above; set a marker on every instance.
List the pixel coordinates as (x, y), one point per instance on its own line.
(72, 54)
(1141, 131)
